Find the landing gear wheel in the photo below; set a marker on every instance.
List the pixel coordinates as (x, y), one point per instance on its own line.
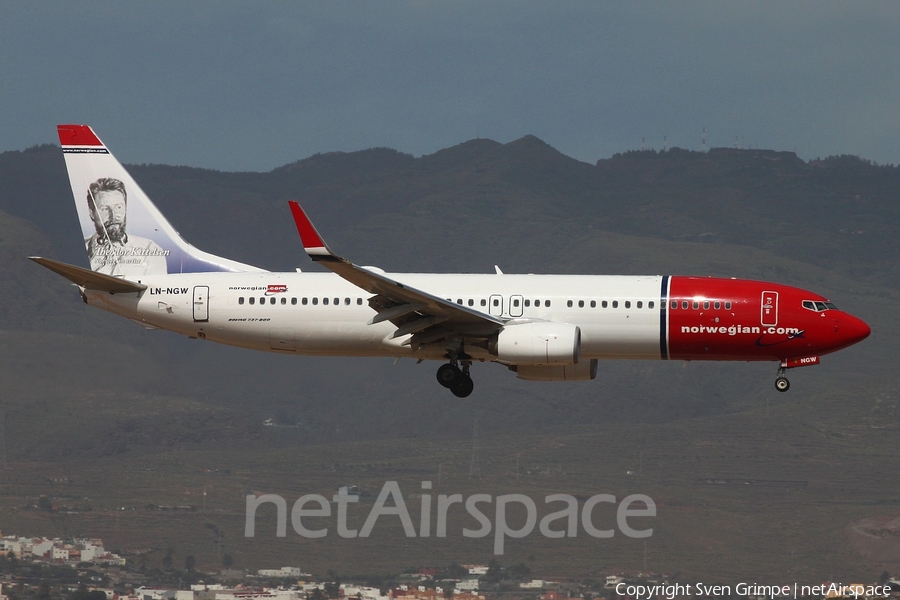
(782, 384)
(463, 387)
(448, 375)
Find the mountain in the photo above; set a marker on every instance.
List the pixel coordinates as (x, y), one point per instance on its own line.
(830, 225)
(82, 387)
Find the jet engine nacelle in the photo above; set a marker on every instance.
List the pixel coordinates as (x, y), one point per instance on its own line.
(539, 343)
(583, 371)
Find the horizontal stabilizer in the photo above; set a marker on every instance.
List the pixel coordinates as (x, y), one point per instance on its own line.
(89, 280)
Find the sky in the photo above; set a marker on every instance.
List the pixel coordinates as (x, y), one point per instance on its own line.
(250, 86)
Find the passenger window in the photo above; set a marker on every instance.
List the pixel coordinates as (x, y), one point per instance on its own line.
(615, 304)
(241, 300)
(706, 305)
(628, 304)
(640, 304)
(674, 304)
(459, 301)
(717, 305)
(252, 300)
(650, 304)
(728, 306)
(547, 303)
(315, 301)
(496, 302)
(337, 301)
(471, 302)
(483, 302)
(271, 300)
(347, 301)
(696, 305)
(684, 305)
(294, 301)
(262, 300)
(593, 304)
(604, 304)
(569, 304)
(537, 303)
(581, 304)
(359, 301)
(283, 300)
(325, 301)
(516, 303)
(304, 301)
(527, 303)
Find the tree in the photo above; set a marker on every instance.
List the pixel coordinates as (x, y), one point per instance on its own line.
(82, 593)
(227, 560)
(189, 562)
(518, 572)
(167, 559)
(494, 573)
(333, 588)
(454, 571)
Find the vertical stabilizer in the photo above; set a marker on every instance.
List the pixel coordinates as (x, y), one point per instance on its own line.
(124, 233)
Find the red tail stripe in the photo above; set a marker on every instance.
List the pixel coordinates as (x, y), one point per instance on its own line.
(77, 135)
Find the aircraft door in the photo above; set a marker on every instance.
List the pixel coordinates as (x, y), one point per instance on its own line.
(515, 306)
(496, 305)
(769, 314)
(201, 303)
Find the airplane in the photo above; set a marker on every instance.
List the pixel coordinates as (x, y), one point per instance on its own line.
(542, 327)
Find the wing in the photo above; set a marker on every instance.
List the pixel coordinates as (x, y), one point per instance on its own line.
(427, 317)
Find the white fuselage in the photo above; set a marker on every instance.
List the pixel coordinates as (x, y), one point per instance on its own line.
(322, 314)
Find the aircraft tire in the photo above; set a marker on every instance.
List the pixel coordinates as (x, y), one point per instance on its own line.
(782, 384)
(448, 375)
(463, 387)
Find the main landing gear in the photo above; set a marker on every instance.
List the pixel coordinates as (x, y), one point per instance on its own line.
(456, 379)
(781, 382)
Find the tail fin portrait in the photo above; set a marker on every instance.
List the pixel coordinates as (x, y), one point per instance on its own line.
(124, 233)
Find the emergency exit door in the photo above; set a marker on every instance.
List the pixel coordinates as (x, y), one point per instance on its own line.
(496, 305)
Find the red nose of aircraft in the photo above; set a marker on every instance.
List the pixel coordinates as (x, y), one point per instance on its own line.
(850, 329)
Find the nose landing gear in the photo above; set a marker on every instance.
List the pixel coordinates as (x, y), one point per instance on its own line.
(781, 382)
(456, 379)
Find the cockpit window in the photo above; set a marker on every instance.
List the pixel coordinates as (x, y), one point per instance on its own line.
(818, 306)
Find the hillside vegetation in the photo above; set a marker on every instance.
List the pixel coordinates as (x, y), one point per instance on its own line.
(86, 392)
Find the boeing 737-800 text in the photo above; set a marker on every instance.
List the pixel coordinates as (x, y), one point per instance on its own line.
(543, 327)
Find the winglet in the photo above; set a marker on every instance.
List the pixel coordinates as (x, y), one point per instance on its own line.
(313, 243)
